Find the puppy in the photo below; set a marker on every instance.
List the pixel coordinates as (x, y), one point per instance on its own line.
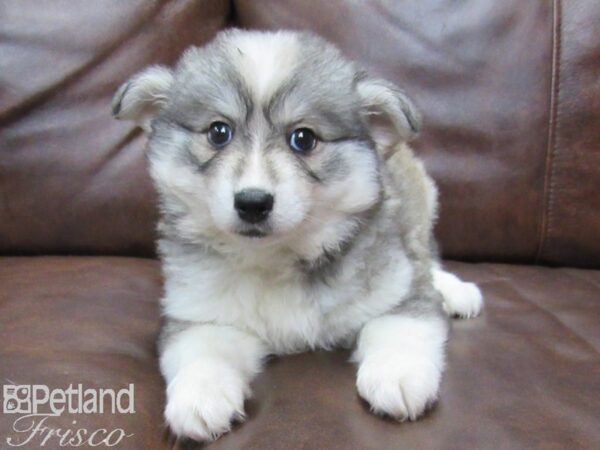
(293, 217)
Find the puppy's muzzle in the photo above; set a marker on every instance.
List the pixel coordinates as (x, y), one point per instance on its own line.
(253, 205)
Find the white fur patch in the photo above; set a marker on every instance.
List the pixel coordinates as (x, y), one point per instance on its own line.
(263, 59)
(400, 363)
(208, 370)
(254, 175)
(203, 400)
(461, 299)
(265, 296)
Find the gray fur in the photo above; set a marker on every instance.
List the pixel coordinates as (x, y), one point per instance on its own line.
(322, 89)
(344, 255)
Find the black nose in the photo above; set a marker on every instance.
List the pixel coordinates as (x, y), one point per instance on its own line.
(253, 205)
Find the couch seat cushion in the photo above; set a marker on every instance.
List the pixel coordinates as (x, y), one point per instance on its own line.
(526, 374)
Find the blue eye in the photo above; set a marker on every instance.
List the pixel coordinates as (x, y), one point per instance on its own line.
(303, 140)
(219, 134)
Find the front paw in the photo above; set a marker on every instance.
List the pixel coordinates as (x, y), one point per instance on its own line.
(402, 389)
(204, 399)
(461, 299)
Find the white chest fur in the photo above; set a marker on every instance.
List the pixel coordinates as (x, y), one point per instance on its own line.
(284, 309)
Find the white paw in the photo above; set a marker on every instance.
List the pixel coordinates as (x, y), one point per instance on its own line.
(460, 298)
(402, 389)
(204, 399)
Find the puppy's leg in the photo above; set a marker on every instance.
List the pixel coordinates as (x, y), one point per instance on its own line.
(461, 299)
(400, 362)
(208, 370)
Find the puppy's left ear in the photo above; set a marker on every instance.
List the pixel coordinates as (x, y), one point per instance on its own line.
(391, 116)
(141, 97)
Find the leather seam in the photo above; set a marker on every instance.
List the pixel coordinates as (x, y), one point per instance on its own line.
(548, 197)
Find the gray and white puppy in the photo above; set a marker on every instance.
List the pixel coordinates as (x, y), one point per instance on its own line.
(294, 217)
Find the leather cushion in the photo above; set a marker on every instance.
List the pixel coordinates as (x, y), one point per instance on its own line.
(72, 178)
(526, 374)
(508, 89)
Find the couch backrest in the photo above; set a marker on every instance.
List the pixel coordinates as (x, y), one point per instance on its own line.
(510, 93)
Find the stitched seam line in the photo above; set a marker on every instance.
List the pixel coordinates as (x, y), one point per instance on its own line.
(551, 215)
(549, 182)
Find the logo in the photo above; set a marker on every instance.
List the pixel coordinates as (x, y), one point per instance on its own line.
(17, 399)
(35, 408)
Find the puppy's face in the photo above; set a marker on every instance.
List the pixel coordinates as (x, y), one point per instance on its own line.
(266, 138)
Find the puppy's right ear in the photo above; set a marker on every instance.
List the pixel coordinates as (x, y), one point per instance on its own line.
(391, 116)
(142, 96)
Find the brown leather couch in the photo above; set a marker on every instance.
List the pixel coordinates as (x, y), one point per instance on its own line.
(510, 92)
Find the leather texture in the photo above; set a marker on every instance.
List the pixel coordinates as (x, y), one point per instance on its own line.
(526, 374)
(504, 88)
(89, 321)
(72, 178)
(571, 212)
(509, 93)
